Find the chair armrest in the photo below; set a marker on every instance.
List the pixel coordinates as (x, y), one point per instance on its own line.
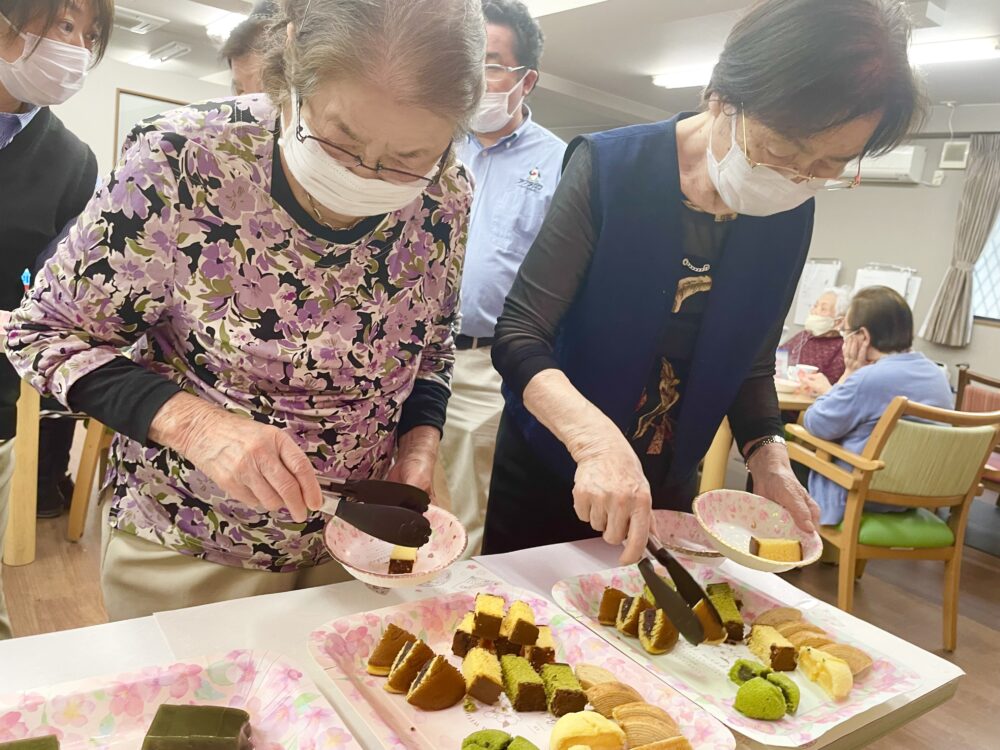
(821, 464)
(837, 451)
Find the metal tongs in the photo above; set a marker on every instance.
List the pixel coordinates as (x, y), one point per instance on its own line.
(679, 605)
(390, 511)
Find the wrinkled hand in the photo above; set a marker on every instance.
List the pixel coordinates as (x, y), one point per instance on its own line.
(773, 478)
(255, 464)
(814, 383)
(416, 457)
(856, 350)
(610, 492)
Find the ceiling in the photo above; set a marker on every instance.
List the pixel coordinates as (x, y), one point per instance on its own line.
(600, 55)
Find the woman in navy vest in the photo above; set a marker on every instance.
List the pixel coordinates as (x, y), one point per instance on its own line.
(652, 301)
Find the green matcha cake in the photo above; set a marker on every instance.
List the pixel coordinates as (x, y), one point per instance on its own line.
(563, 693)
(760, 699)
(204, 727)
(522, 684)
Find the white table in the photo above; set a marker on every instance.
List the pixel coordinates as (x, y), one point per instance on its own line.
(281, 623)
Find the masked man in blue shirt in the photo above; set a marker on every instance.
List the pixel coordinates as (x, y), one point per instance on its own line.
(516, 165)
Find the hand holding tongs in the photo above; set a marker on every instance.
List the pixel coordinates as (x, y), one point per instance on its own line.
(677, 604)
(390, 511)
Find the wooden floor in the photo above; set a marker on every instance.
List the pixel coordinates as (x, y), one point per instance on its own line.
(61, 590)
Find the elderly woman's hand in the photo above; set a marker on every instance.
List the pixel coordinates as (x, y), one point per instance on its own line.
(416, 456)
(815, 383)
(256, 464)
(611, 493)
(774, 479)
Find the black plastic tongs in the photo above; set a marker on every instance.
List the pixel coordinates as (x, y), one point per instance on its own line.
(677, 604)
(390, 511)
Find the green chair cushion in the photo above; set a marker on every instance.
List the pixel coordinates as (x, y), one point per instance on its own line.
(917, 528)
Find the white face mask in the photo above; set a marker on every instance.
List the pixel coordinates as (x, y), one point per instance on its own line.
(495, 111)
(47, 72)
(335, 186)
(818, 325)
(753, 191)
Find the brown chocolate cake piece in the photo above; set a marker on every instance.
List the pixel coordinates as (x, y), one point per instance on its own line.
(563, 693)
(437, 686)
(544, 650)
(463, 640)
(402, 559)
(407, 663)
(610, 601)
(488, 616)
(388, 647)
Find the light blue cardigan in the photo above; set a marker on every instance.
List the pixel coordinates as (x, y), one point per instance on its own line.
(847, 414)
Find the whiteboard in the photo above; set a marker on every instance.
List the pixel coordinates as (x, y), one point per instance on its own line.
(903, 280)
(817, 275)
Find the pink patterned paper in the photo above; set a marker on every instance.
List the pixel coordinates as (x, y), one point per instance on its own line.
(286, 709)
(730, 517)
(342, 647)
(701, 672)
(367, 558)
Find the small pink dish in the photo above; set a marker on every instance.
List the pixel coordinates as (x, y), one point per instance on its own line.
(367, 558)
(730, 517)
(679, 532)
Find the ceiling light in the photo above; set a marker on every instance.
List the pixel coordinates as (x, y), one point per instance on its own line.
(160, 55)
(136, 21)
(220, 29)
(685, 76)
(960, 50)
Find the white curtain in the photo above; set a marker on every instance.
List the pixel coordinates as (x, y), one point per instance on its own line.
(950, 319)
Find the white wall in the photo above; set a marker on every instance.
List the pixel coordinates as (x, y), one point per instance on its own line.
(91, 113)
(907, 225)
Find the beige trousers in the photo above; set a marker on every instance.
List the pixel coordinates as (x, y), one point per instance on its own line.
(139, 577)
(470, 435)
(6, 472)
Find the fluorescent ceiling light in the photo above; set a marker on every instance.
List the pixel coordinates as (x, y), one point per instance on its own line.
(160, 55)
(959, 50)
(220, 29)
(685, 76)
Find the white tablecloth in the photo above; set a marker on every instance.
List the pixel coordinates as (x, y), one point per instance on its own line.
(282, 622)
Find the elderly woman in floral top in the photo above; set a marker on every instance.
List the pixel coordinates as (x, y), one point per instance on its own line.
(265, 291)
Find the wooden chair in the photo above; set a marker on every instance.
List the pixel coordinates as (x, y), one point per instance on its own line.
(925, 465)
(978, 393)
(19, 548)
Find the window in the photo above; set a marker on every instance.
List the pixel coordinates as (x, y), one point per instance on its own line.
(986, 278)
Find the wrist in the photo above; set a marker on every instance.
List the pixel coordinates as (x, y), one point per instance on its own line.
(421, 441)
(767, 457)
(180, 420)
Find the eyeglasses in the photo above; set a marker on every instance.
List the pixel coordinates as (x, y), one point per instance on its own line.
(353, 161)
(815, 183)
(496, 73)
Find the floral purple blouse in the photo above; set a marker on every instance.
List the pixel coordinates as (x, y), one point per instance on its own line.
(194, 262)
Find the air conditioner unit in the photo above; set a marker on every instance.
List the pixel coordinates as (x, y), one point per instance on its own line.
(904, 164)
(136, 21)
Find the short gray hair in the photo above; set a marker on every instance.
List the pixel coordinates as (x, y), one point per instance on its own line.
(842, 295)
(430, 53)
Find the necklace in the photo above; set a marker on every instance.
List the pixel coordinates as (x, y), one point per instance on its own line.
(319, 216)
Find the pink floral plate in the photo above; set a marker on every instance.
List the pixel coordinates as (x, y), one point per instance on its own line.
(342, 647)
(701, 672)
(730, 517)
(680, 532)
(367, 558)
(286, 709)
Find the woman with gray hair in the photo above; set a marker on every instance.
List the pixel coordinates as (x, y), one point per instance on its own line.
(819, 343)
(265, 292)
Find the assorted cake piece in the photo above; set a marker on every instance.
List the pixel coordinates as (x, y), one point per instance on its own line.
(176, 727)
(724, 599)
(495, 739)
(763, 694)
(402, 560)
(772, 648)
(563, 693)
(802, 634)
(778, 550)
(48, 742)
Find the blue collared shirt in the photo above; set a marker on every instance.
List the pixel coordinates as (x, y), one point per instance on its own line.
(12, 123)
(515, 179)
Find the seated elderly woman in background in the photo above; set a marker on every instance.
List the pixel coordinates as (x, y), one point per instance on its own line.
(282, 273)
(880, 365)
(819, 343)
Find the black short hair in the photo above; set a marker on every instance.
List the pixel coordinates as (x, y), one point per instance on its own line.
(22, 12)
(528, 34)
(804, 66)
(886, 316)
(249, 37)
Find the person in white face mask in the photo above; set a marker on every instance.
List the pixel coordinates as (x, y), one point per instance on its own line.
(819, 343)
(516, 164)
(289, 264)
(652, 300)
(47, 176)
